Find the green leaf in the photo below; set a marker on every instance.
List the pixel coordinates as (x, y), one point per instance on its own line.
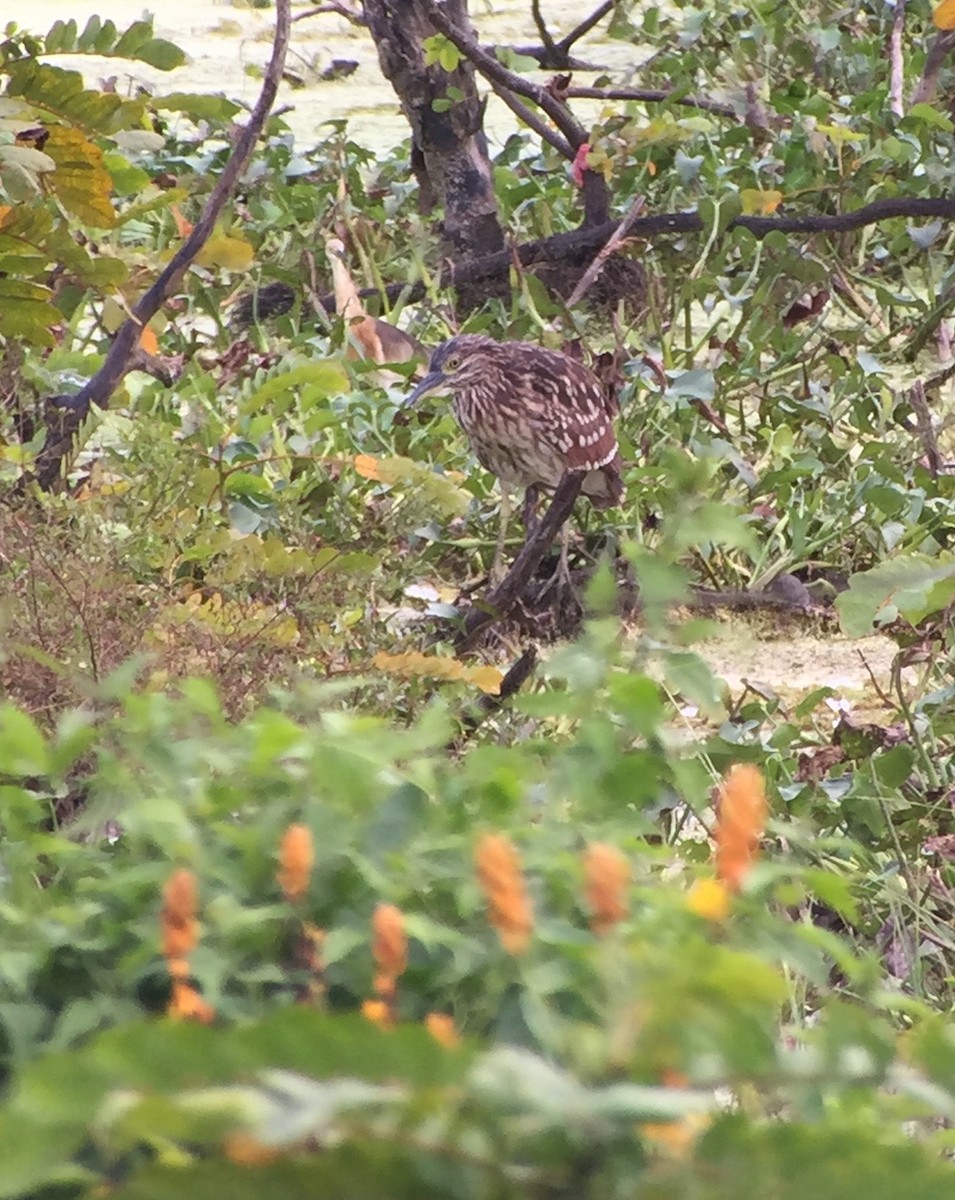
(911, 586)
(324, 378)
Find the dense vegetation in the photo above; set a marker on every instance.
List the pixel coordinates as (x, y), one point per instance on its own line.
(286, 900)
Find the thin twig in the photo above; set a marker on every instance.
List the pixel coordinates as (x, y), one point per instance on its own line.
(544, 131)
(588, 277)
(340, 10)
(120, 354)
(938, 52)
(546, 40)
(896, 67)
(883, 696)
(586, 25)
(651, 96)
(926, 428)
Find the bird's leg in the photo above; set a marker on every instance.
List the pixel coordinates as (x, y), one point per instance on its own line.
(564, 583)
(498, 570)
(529, 511)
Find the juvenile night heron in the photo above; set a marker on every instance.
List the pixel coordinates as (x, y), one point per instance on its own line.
(531, 415)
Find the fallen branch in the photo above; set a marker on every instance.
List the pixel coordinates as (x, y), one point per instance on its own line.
(500, 600)
(562, 247)
(67, 414)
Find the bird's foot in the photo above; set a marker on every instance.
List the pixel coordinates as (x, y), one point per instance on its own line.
(562, 595)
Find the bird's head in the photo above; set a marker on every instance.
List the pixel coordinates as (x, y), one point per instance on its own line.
(335, 249)
(459, 362)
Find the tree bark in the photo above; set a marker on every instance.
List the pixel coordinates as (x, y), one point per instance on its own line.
(449, 147)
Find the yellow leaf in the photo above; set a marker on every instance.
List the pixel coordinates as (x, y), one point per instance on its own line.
(149, 341)
(81, 182)
(113, 314)
(839, 133)
(755, 200)
(366, 466)
(710, 899)
(488, 679)
(435, 666)
(944, 15)
(230, 253)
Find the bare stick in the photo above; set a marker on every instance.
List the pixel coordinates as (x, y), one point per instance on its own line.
(339, 9)
(586, 25)
(544, 131)
(941, 48)
(923, 418)
(546, 40)
(650, 96)
(588, 277)
(896, 68)
(499, 602)
(119, 358)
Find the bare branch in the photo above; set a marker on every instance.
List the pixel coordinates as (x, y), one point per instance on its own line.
(340, 10)
(119, 358)
(546, 40)
(926, 428)
(896, 67)
(586, 25)
(651, 96)
(588, 240)
(940, 50)
(511, 684)
(556, 61)
(545, 132)
(496, 72)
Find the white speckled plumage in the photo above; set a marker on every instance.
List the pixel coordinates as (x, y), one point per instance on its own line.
(530, 414)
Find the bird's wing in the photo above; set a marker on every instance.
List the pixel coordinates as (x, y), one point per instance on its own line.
(580, 418)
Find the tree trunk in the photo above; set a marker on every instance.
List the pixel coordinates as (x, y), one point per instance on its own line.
(449, 154)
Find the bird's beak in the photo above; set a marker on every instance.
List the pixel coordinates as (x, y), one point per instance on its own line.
(434, 381)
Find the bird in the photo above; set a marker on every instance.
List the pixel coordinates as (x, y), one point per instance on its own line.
(378, 340)
(531, 415)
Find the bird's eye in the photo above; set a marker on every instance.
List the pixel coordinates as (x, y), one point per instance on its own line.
(452, 362)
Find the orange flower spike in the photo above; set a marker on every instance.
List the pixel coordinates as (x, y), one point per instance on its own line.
(441, 1027)
(180, 929)
(296, 859)
(187, 1004)
(378, 1012)
(389, 947)
(740, 822)
(606, 878)
(509, 910)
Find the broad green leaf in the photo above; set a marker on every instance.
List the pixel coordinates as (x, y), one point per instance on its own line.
(910, 586)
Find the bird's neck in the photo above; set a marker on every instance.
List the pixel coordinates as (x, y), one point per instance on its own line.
(347, 300)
